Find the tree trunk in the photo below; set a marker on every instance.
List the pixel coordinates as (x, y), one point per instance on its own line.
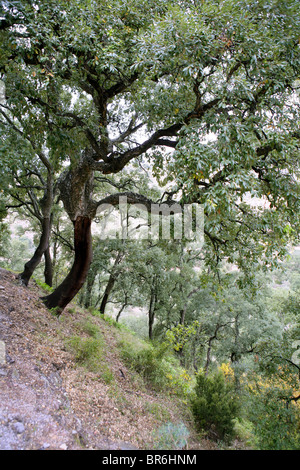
(48, 271)
(110, 284)
(87, 296)
(71, 285)
(121, 309)
(151, 314)
(37, 256)
(208, 355)
(108, 289)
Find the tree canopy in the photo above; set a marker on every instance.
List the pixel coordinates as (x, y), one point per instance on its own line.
(205, 93)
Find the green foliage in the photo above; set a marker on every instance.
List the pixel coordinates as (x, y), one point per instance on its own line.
(91, 329)
(148, 361)
(181, 334)
(112, 322)
(245, 431)
(190, 71)
(4, 239)
(44, 286)
(171, 436)
(84, 349)
(156, 364)
(88, 351)
(4, 229)
(276, 422)
(217, 85)
(19, 249)
(215, 406)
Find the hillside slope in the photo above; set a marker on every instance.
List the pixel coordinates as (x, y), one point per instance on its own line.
(49, 401)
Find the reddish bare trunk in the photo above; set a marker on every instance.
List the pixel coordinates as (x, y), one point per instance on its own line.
(71, 285)
(48, 271)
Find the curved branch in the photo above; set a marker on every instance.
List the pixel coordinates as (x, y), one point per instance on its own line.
(129, 197)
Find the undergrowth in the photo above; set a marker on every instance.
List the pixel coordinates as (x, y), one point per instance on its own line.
(152, 366)
(88, 350)
(156, 364)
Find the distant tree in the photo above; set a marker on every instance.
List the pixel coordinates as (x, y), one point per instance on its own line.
(215, 406)
(4, 230)
(28, 180)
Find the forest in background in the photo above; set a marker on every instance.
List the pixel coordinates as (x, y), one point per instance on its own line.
(196, 103)
(182, 312)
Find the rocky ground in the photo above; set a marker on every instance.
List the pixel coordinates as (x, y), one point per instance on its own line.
(47, 401)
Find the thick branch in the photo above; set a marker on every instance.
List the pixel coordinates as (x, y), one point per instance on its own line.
(39, 153)
(134, 198)
(116, 162)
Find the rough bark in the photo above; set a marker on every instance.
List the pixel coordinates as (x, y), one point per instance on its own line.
(71, 285)
(76, 186)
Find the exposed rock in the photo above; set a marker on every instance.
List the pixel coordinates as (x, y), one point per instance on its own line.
(18, 427)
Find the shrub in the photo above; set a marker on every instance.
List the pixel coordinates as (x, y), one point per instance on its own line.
(276, 422)
(171, 436)
(244, 430)
(215, 406)
(91, 329)
(148, 361)
(88, 352)
(44, 286)
(156, 364)
(111, 321)
(84, 349)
